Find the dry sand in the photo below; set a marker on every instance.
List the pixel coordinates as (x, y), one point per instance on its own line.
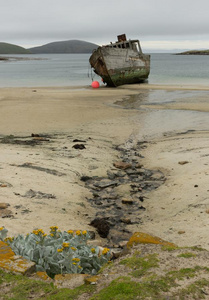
(177, 211)
(64, 115)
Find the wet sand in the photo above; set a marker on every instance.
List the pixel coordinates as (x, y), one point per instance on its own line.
(177, 211)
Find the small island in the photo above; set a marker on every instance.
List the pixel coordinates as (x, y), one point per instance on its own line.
(194, 52)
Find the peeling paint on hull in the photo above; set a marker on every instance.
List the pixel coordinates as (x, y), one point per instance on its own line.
(118, 66)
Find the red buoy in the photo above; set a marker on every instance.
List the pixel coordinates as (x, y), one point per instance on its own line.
(95, 84)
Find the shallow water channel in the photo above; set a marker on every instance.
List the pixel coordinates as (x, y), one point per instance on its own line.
(157, 122)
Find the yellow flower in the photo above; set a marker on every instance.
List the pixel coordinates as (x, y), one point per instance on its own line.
(59, 250)
(76, 259)
(84, 232)
(80, 267)
(65, 245)
(70, 231)
(105, 251)
(1, 228)
(73, 248)
(53, 228)
(9, 239)
(35, 232)
(40, 231)
(52, 234)
(44, 235)
(74, 263)
(78, 232)
(93, 250)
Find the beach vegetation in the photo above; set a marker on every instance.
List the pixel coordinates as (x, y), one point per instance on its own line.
(139, 264)
(58, 252)
(20, 287)
(187, 255)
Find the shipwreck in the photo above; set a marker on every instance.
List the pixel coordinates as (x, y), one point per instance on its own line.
(122, 62)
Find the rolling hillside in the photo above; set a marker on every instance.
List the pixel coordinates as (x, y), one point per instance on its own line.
(71, 46)
(6, 48)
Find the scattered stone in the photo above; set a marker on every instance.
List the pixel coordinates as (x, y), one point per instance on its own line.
(116, 252)
(95, 242)
(122, 165)
(3, 185)
(10, 262)
(126, 220)
(92, 279)
(79, 146)
(78, 141)
(38, 195)
(85, 178)
(196, 185)
(127, 201)
(102, 226)
(183, 162)
(122, 244)
(144, 238)
(4, 205)
(116, 197)
(207, 211)
(6, 213)
(181, 232)
(105, 184)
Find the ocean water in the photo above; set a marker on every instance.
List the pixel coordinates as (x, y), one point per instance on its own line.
(74, 70)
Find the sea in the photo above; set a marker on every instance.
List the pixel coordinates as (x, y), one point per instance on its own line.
(36, 70)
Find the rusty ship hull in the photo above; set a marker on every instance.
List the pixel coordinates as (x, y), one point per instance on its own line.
(121, 63)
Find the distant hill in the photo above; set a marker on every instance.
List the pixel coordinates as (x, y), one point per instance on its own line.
(72, 46)
(194, 52)
(6, 48)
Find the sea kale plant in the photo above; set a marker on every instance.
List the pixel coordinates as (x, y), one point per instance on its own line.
(58, 252)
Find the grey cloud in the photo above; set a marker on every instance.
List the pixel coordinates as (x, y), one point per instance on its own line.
(42, 21)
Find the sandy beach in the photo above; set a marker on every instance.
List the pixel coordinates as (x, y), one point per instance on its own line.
(41, 170)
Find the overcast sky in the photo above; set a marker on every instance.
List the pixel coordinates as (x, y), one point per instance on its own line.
(158, 24)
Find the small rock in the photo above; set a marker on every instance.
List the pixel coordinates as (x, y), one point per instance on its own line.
(196, 185)
(102, 226)
(94, 242)
(181, 232)
(122, 244)
(92, 279)
(127, 201)
(121, 165)
(105, 184)
(79, 146)
(4, 205)
(78, 141)
(183, 162)
(207, 211)
(125, 220)
(42, 276)
(14, 263)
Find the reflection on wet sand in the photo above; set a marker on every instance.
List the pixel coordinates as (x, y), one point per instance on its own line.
(167, 111)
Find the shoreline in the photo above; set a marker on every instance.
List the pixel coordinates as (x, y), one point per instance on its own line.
(62, 115)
